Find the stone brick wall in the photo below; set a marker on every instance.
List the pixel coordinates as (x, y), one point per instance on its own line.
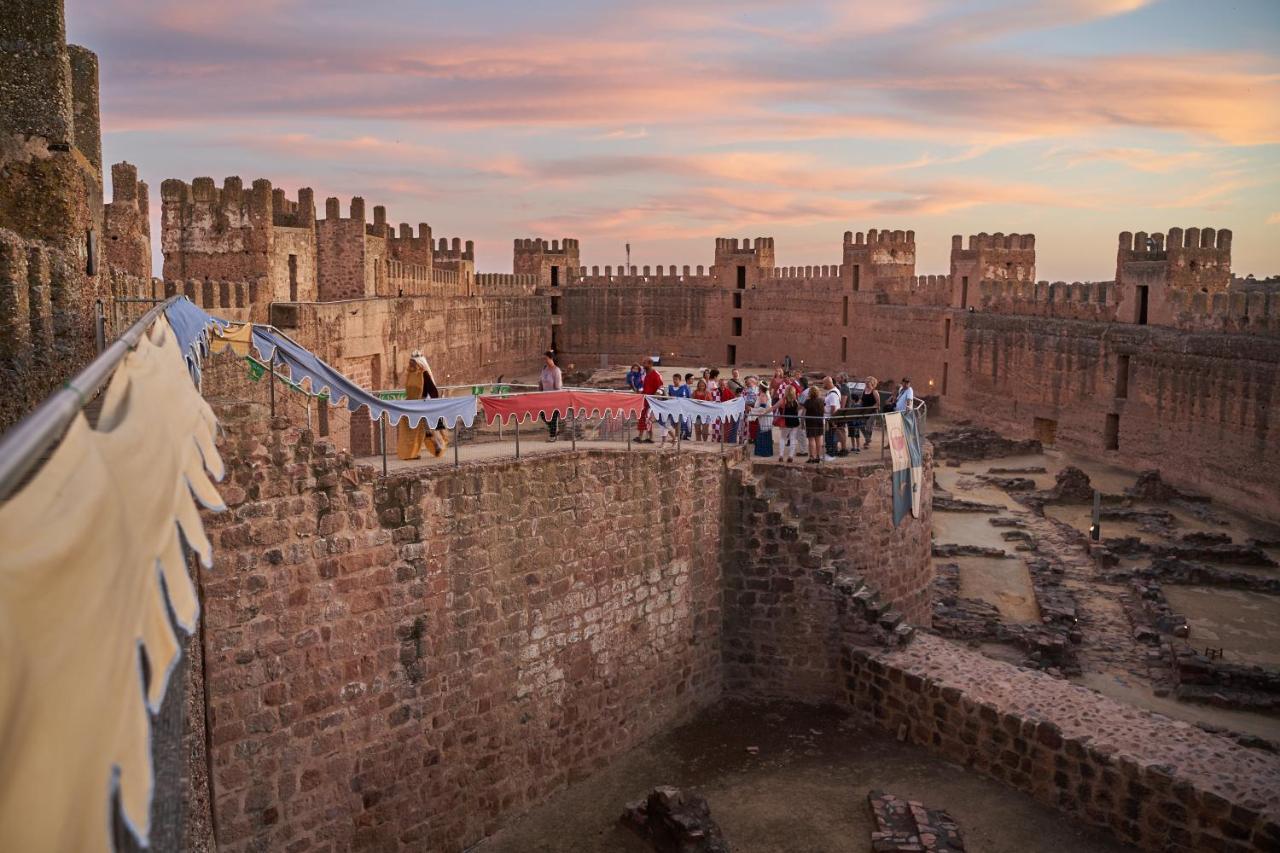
(625, 318)
(407, 663)
(1159, 784)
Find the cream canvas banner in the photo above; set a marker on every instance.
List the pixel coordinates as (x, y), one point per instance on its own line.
(92, 547)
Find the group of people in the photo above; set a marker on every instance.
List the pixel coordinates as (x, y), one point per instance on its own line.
(834, 417)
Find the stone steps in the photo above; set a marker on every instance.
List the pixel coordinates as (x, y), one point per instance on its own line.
(826, 560)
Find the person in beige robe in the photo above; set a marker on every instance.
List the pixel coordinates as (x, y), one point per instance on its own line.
(419, 384)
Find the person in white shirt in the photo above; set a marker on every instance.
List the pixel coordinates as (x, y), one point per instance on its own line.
(830, 403)
(551, 379)
(906, 397)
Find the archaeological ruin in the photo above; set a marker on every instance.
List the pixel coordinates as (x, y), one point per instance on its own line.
(508, 646)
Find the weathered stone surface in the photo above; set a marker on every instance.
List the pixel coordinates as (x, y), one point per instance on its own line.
(675, 821)
(906, 826)
(1068, 746)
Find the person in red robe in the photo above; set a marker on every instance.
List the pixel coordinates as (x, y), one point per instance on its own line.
(652, 383)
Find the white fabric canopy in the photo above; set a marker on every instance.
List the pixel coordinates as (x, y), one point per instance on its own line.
(93, 546)
(695, 411)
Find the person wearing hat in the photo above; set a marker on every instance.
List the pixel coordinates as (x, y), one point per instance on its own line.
(906, 397)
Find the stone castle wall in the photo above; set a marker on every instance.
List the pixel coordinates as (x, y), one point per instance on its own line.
(1197, 406)
(1156, 783)
(406, 663)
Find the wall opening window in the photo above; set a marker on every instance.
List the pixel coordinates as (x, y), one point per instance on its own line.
(857, 276)
(293, 278)
(944, 376)
(845, 312)
(1111, 435)
(946, 333)
(91, 253)
(964, 292)
(844, 349)
(737, 327)
(742, 277)
(1122, 377)
(555, 276)
(555, 305)
(737, 300)
(1046, 431)
(1143, 293)
(732, 355)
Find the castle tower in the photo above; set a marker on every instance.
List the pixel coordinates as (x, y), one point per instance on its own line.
(989, 257)
(127, 246)
(49, 110)
(551, 261)
(879, 260)
(458, 256)
(737, 263)
(207, 232)
(1148, 266)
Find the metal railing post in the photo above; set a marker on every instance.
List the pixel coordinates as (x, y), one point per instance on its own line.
(457, 436)
(99, 326)
(628, 423)
(272, 382)
(517, 437)
(573, 431)
(382, 428)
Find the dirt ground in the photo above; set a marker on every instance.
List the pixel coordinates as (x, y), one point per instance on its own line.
(805, 789)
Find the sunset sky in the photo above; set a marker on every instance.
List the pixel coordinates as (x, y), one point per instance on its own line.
(666, 124)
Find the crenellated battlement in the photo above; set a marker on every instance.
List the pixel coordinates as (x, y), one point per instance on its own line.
(1243, 312)
(563, 246)
(202, 193)
(634, 275)
(293, 213)
(996, 242)
(757, 252)
(551, 261)
(828, 274)
(505, 284)
(230, 300)
(333, 210)
(1177, 238)
(1185, 259)
(1096, 300)
(454, 250)
(880, 260)
(879, 236)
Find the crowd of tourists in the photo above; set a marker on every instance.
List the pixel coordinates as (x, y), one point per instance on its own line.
(821, 418)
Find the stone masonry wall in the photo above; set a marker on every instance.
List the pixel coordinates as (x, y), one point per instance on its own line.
(629, 319)
(1160, 784)
(407, 663)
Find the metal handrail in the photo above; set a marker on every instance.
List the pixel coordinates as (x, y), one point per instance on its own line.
(24, 446)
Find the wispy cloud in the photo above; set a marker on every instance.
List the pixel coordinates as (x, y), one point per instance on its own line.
(677, 118)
